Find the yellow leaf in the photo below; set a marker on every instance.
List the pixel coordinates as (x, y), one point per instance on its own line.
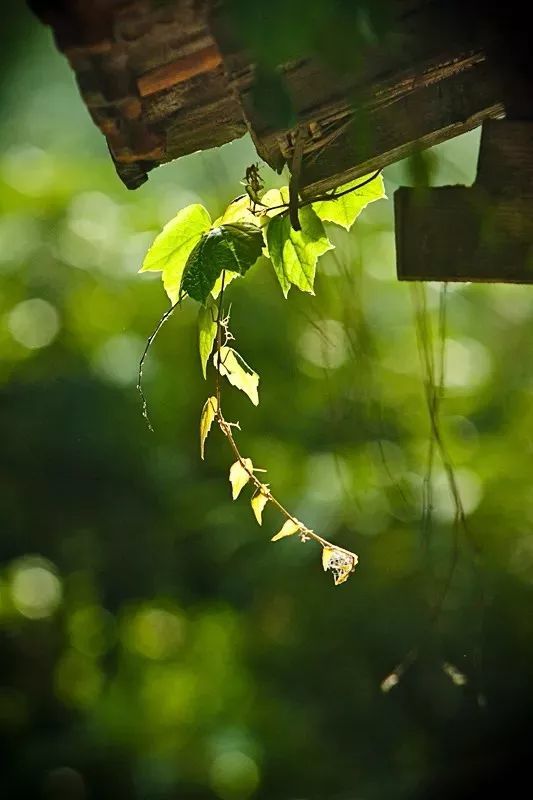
(259, 501)
(206, 420)
(238, 373)
(240, 210)
(288, 529)
(340, 562)
(239, 475)
(277, 199)
(326, 555)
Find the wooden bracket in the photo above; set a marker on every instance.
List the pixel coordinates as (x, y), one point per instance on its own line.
(482, 233)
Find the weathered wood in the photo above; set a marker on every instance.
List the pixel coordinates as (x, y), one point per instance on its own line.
(165, 79)
(427, 81)
(150, 74)
(179, 70)
(483, 233)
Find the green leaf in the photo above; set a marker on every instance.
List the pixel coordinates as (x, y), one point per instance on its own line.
(238, 373)
(345, 210)
(171, 248)
(206, 420)
(294, 253)
(207, 331)
(232, 246)
(228, 277)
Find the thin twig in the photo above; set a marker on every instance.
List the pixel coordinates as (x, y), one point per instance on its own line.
(325, 197)
(149, 343)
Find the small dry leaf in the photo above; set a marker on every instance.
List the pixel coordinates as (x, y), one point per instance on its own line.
(340, 562)
(288, 529)
(259, 501)
(239, 475)
(236, 370)
(206, 420)
(389, 682)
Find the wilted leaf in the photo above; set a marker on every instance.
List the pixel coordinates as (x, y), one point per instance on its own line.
(206, 420)
(171, 248)
(288, 529)
(239, 475)
(259, 502)
(238, 373)
(345, 210)
(233, 247)
(340, 562)
(207, 331)
(294, 253)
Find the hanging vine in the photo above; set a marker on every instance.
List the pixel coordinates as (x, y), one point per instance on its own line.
(199, 259)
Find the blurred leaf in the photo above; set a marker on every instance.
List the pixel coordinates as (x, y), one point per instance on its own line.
(294, 253)
(259, 502)
(207, 331)
(239, 476)
(289, 528)
(345, 210)
(232, 246)
(239, 374)
(171, 248)
(206, 420)
(270, 98)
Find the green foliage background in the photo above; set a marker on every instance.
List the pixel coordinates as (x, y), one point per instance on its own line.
(153, 643)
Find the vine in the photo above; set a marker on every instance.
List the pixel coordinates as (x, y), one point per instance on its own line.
(433, 370)
(199, 259)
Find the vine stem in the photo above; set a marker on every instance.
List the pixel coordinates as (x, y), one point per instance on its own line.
(225, 428)
(147, 346)
(325, 197)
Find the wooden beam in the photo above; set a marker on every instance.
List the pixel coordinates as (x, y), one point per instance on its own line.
(395, 123)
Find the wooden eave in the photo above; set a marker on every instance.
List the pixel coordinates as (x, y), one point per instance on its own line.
(165, 80)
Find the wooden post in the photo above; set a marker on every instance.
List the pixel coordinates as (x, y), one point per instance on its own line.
(483, 233)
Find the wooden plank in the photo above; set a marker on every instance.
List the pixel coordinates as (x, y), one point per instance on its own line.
(426, 80)
(459, 234)
(392, 126)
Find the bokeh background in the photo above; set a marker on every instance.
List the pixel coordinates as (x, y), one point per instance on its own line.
(153, 643)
